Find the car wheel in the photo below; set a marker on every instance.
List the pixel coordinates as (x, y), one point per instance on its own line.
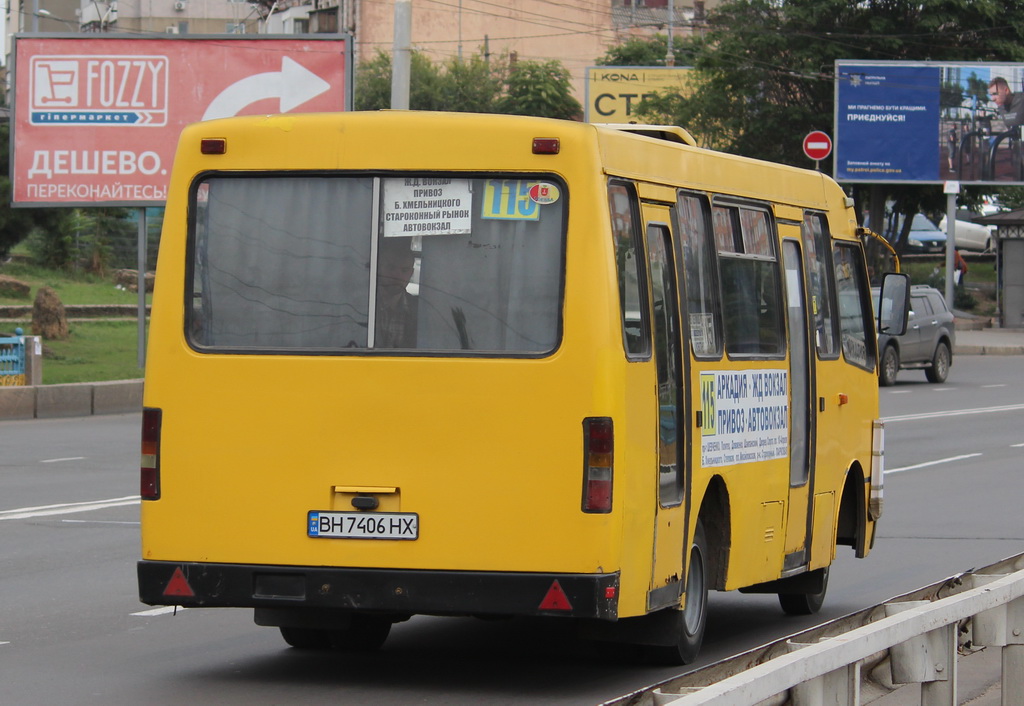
(889, 367)
(939, 369)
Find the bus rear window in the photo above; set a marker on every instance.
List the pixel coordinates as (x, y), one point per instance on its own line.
(349, 264)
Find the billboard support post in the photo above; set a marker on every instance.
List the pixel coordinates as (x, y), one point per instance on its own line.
(142, 287)
(951, 189)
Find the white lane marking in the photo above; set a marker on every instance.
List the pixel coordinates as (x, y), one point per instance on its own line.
(102, 522)
(931, 463)
(1016, 446)
(1001, 384)
(61, 460)
(24, 513)
(164, 610)
(953, 413)
(5, 643)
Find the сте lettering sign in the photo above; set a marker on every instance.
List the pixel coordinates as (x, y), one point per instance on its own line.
(615, 92)
(96, 120)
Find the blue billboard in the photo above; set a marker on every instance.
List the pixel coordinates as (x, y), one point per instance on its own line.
(929, 122)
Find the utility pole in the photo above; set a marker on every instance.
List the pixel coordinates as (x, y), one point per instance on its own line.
(401, 61)
(670, 55)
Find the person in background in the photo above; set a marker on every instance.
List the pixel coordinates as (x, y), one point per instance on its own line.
(1009, 105)
(959, 269)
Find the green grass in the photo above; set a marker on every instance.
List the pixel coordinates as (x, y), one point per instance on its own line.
(921, 269)
(95, 350)
(78, 288)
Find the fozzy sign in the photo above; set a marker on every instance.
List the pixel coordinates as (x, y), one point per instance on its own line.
(96, 119)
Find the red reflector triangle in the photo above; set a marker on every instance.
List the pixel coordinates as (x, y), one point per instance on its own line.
(178, 585)
(555, 599)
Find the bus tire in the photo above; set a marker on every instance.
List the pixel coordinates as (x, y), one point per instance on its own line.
(306, 638)
(366, 633)
(805, 603)
(693, 617)
(889, 366)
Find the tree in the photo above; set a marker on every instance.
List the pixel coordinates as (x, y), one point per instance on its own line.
(373, 83)
(643, 51)
(539, 88)
(18, 223)
(471, 85)
(764, 69)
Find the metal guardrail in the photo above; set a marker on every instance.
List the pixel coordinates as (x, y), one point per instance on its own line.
(12, 359)
(920, 636)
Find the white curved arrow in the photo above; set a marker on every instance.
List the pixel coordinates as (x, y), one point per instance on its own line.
(294, 84)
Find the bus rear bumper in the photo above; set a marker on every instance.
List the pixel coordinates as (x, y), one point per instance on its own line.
(406, 592)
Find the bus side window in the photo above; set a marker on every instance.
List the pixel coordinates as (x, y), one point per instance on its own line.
(622, 205)
(751, 302)
(854, 306)
(698, 275)
(815, 236)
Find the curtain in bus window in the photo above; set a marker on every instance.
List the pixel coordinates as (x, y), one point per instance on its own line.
(495, 289)
(725, 239)
(756, 234)
(698, 260)
(283, 263)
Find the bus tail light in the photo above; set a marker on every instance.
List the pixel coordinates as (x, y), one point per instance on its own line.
(149, 487)
(599, 448)
(877, 469)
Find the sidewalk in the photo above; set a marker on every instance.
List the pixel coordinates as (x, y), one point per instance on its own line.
(986, 341)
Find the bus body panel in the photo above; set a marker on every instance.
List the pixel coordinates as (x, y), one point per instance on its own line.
(487, 451)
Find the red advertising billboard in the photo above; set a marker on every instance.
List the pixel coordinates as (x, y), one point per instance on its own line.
(96, 119)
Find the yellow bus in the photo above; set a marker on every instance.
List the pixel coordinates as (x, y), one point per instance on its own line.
(413, 363)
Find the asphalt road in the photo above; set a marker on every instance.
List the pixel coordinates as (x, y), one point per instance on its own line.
(72, 629)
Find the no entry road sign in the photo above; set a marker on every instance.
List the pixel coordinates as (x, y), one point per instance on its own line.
(817, 145)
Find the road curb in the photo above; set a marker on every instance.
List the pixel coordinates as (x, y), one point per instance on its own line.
(72, 400)
(988, 350)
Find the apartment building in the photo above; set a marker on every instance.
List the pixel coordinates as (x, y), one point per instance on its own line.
(575, 32)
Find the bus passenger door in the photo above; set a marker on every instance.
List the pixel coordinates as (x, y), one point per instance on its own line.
(670, 524)
(802, 413)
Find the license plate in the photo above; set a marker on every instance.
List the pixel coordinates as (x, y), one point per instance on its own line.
(363, 525)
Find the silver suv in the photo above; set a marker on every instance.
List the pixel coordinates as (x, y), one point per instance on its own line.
(928, 342)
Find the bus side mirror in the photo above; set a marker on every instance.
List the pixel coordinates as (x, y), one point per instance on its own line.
(894, 304)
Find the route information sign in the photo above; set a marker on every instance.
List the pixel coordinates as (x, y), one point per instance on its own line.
(96, 119)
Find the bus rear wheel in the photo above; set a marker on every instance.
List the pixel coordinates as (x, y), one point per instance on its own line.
(805, 603)
(366, 633)
(692, 618)
(306, 638)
